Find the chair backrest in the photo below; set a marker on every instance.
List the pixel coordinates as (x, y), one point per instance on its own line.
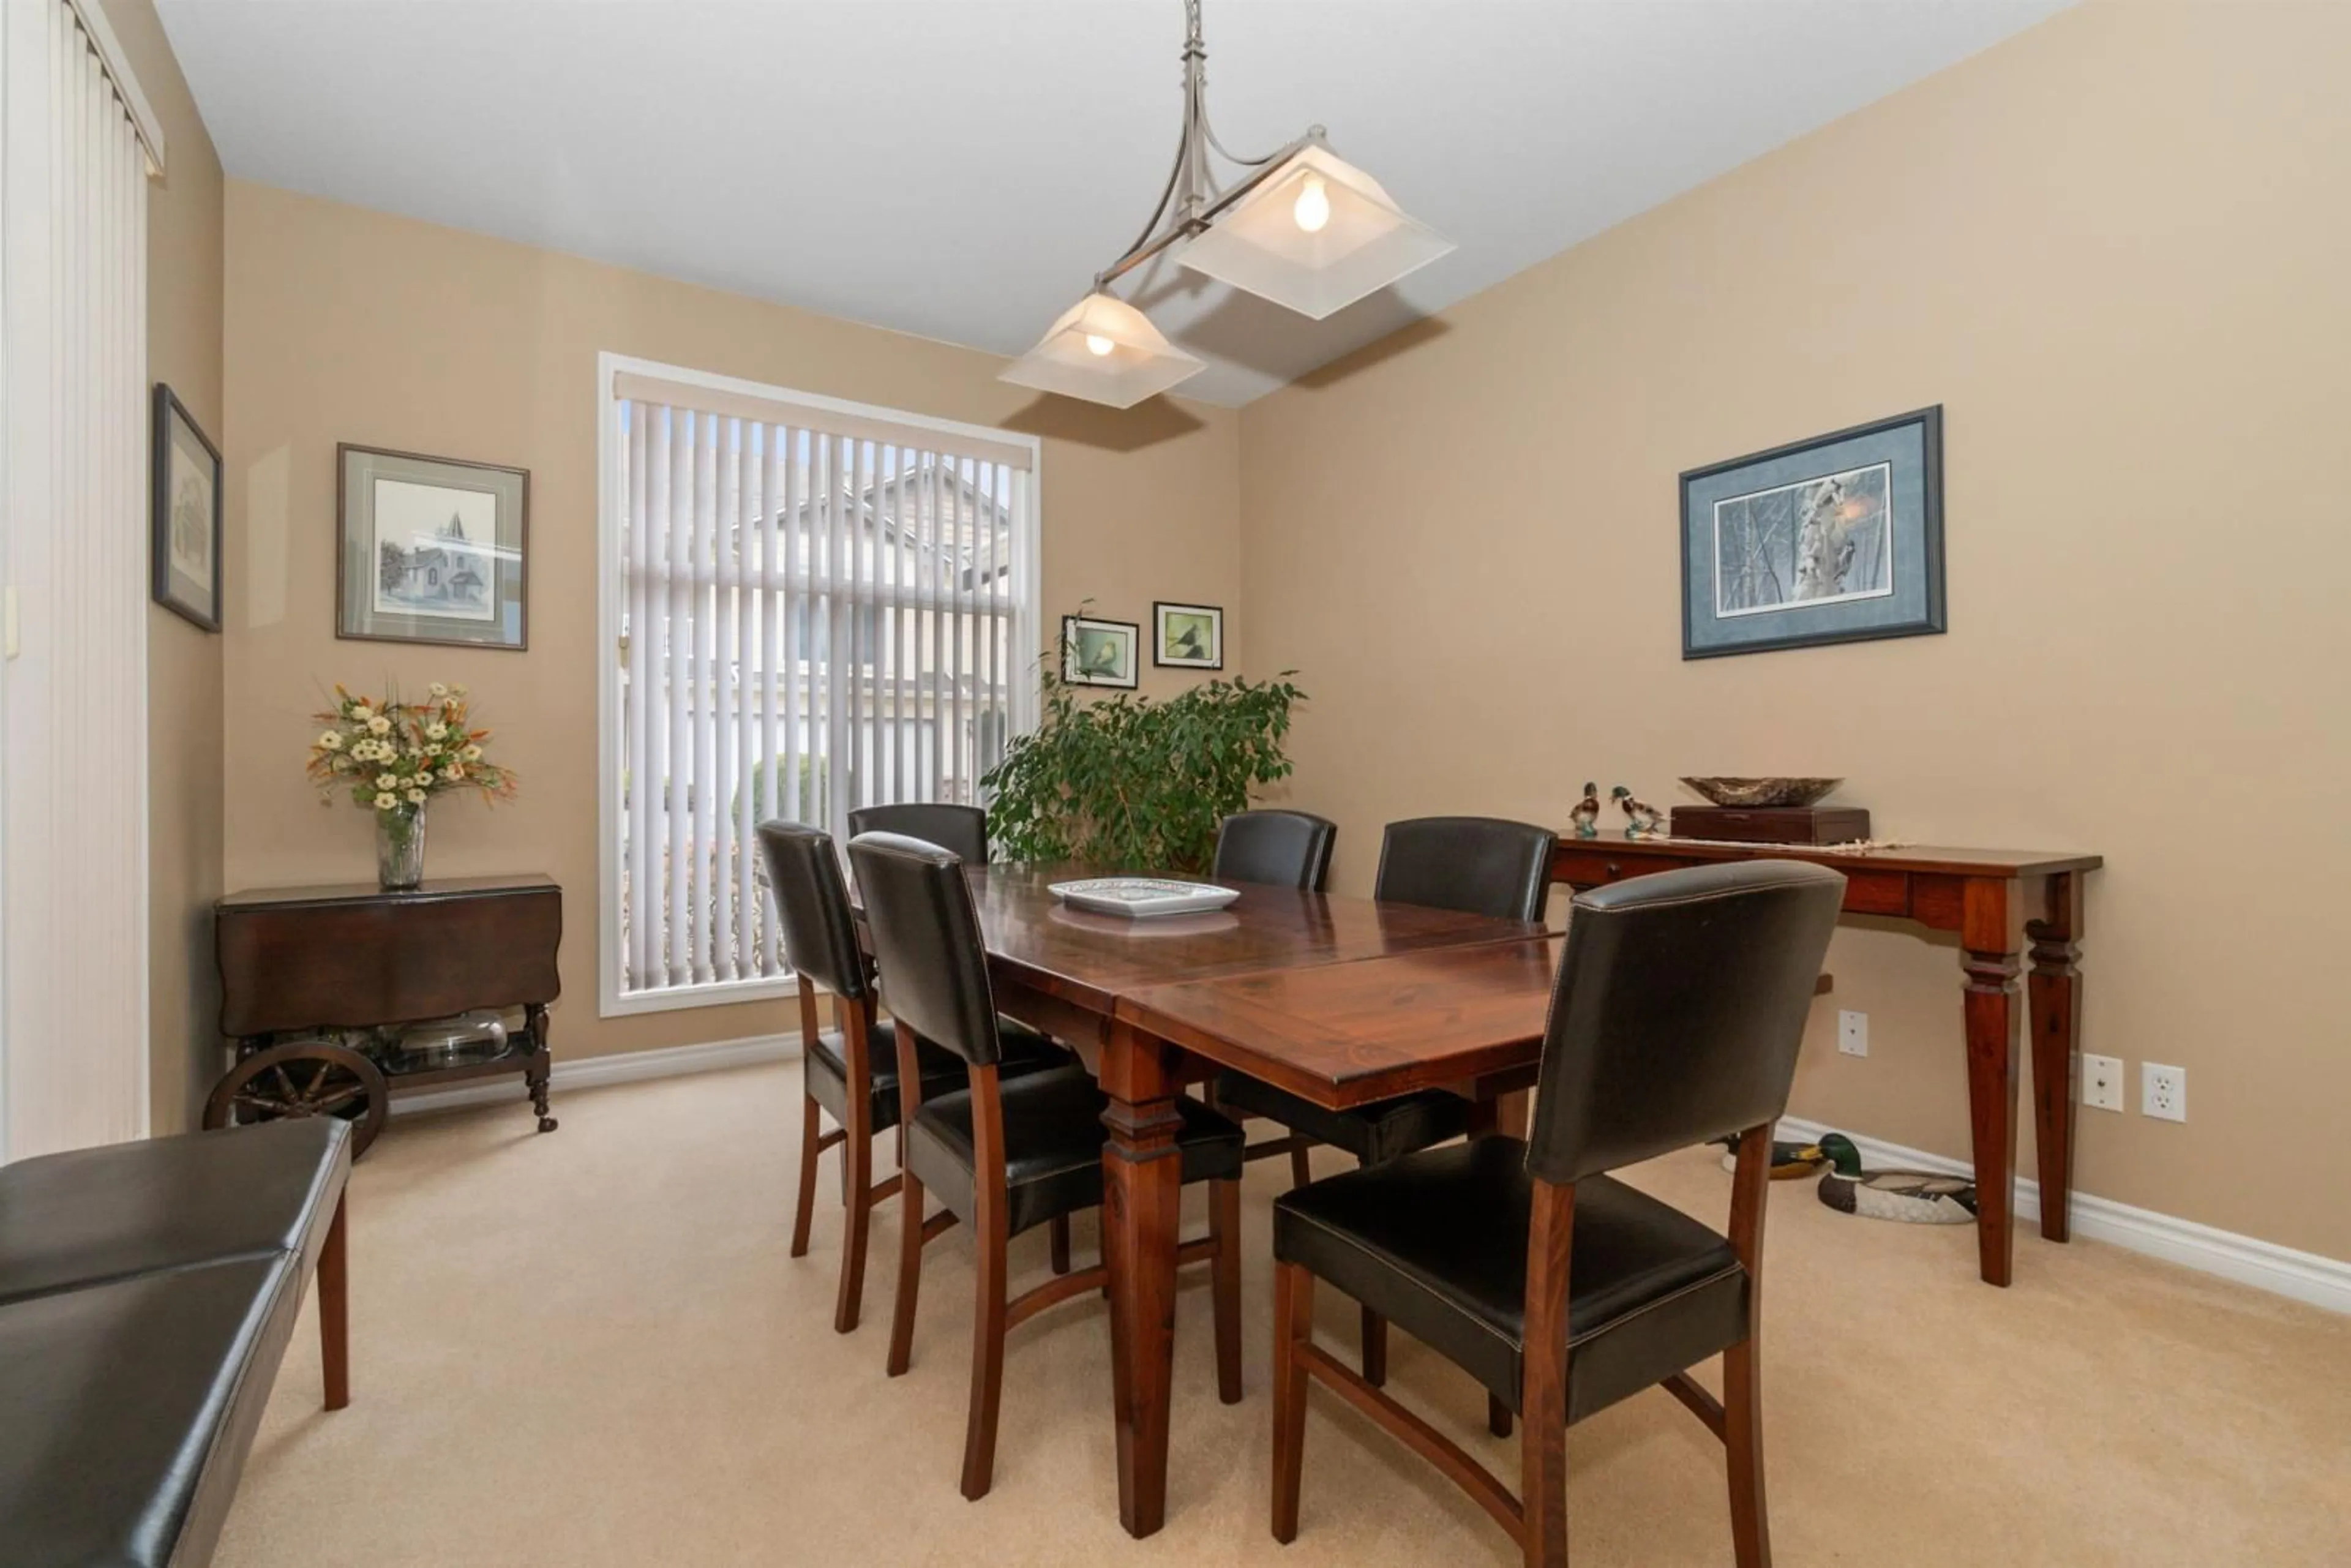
(1287, 849)
(962, 831)
(926, 940)
(1479, 865)
(1679, 1006)
(812, 901)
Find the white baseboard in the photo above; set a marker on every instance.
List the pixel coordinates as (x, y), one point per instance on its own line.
(2305, 1276)
(626, 1067)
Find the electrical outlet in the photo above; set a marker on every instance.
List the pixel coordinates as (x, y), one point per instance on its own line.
(2102, 1082)
(2163, 1092)
(1852, 1032)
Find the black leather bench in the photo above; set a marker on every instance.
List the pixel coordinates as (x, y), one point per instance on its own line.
(147, 1294)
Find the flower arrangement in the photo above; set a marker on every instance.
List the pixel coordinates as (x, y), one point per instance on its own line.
(393, 757)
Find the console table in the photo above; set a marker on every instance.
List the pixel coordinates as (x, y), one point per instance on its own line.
(2003, 904)
(303, 960)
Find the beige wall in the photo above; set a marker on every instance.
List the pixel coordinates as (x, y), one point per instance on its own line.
(183, 662)
(2113, 249)
(347, 325)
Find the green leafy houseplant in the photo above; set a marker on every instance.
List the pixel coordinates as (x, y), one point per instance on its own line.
(1136, 784)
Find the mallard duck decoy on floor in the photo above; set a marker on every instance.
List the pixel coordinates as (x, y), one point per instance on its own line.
(1914, 1198)
(1789, 1160)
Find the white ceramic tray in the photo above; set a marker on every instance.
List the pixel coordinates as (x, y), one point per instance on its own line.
(1141, 895)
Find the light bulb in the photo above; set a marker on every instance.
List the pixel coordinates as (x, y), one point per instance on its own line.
(1312, 209)
(1097, 345)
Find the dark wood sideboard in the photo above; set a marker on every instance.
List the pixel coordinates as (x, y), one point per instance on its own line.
(300, 960)
(2003, 904)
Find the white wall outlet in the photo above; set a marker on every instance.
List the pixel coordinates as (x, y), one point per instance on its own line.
(2102, 1082)
(2163, 1092)
(1852, 1032)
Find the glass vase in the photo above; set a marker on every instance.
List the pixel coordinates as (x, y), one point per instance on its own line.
(400, 848)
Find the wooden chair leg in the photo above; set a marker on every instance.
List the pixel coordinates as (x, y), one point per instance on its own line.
(810, 1129)
(1224, 1227)
(1293, 1323)
(1543, 1389)
(857, 1159)
(334, 1311)
(1301, 1169)
(1497, 1416)
(986, 1349)
(1376, 1349)
(1742, 1439)
(1059, 1235)
(910, 1272)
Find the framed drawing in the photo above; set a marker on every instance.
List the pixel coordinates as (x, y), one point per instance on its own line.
(1834, 540)
(186, 525)
(1188, 636)
(1099, 653)
(432, 550)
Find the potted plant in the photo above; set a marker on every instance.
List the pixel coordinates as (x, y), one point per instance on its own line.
(393, 758)
(1134, 784)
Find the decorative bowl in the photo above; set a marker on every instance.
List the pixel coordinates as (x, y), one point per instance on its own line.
(1764, 791)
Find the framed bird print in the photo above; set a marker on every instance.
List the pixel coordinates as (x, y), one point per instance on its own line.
(1834, 540)
(1099, 653)
(1188, 636)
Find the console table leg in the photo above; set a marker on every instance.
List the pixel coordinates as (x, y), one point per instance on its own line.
(2053, 992)
(1989, 960)
(542, 1065)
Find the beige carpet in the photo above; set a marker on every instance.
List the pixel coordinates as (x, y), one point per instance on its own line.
(590, 1348)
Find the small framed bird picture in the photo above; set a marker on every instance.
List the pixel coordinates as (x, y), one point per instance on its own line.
(1188, 636)
(1834, 540)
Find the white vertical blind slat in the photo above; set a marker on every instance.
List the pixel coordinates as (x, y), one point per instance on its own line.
(643, 661)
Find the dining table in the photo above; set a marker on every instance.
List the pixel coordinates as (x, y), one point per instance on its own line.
(1341, 1001)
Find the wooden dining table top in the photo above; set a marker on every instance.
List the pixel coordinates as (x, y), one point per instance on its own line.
(1095, 960)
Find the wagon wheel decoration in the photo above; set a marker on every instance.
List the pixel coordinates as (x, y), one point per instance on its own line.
(303, 1078)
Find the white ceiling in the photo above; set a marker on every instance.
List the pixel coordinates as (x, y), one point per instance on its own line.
(961, 168)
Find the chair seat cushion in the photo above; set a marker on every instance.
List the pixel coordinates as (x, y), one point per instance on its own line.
(943, 1072)
(99, 1214)
(131, 1408)
(1053, 1146)
(1436, 1242)
(1371, 1133)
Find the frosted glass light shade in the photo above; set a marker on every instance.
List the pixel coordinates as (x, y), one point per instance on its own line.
(1137, 364)
(1365, 243)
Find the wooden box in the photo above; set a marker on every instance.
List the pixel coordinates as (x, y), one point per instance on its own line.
(1772, 824)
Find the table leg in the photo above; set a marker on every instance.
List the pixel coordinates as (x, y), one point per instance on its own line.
(542, 1065)
(2053, 993)
(1988, 940)
(1142, 1183)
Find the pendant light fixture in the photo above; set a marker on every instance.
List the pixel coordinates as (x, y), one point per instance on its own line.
(1300, 227)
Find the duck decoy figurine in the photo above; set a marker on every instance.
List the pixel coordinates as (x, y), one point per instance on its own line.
(1914, 1198)
(1641, 820)
(1587, 815)
(1789, 1160)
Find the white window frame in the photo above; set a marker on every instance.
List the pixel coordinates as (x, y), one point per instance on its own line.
(1028, 621)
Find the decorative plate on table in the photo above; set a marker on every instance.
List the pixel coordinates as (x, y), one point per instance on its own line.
(1139, 895)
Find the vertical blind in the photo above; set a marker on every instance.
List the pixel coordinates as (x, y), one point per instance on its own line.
(75, 735)
(819, 611)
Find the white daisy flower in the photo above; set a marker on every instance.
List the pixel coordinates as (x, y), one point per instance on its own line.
(416, 796)
(473, 754)
(438, 689)
(379, 724)
(362, 712)
(386, 802)
(436, 732)
(387, 781)
(330, 741)
(454, 772)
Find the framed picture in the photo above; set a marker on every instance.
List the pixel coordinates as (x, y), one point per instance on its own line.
(187, 515)
(434, 550)
(1099, 653)
(1188, 636)
(1834, 540)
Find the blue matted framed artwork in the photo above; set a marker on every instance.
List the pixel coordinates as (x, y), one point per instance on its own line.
(1834, 540)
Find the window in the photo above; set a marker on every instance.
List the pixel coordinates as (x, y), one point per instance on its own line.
(810, 606)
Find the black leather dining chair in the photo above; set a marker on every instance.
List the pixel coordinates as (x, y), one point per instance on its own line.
(961, 831)
(853, 1070)
(1005, 1155)
(1480, 865)
(1675, 1020)
(1282, 849)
